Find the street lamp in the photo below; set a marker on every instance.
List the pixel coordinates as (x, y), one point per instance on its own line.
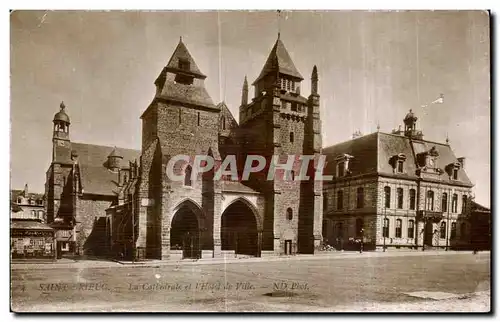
(361, 243)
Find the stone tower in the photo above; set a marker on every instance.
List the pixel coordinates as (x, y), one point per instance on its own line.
(181, 120)
(281, 122)
(58, 190)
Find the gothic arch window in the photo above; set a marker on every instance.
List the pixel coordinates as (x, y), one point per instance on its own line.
(223, 123)
(289, 214)
(187, 176)
(291, 137)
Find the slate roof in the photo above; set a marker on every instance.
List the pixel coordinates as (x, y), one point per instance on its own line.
(27, 224)
(190, 94)
(95, 177)
(182, 53)
(372, 153)
(229, 120)
(279, 60)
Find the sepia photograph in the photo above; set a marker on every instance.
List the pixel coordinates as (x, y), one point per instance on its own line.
(250, 161)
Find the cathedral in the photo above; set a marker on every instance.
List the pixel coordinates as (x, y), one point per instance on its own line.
(388, 190)
(109, 201)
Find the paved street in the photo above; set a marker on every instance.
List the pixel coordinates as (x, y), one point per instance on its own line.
(361, 282)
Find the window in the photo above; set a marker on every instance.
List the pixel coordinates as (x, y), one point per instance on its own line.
(283, 83)
(385, 231)
(453, 233)
(455, 174)
(454, 203)
(464, 203)
(64, 246)
(198, 118)
(411, 229)
(19, 200)
(292, 174)
(33, 214)
(387, 196)
(325, 201)
(223, 123)
(180, 116)
(184, 64)
(340, 199)
(340, 169)
(359, 227)
(463, 231)
(360, 201)
(442, 230)
(399, 167)
(444, 202)
(291, 137)
(398, 228)
(187, 176)
(289, 214)
(430, 200)
(400, 198)
(412, 199)
(294, 107)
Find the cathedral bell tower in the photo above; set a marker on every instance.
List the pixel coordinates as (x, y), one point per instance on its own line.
(60, 134)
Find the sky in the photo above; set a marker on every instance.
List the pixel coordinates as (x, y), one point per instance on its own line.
(373, 67)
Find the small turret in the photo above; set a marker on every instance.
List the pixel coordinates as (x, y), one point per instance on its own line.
(314, 81)
(114, 160)
(244, 93)
(61, 124)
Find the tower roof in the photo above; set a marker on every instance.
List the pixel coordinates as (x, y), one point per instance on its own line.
(410, 117)
(279, 61)
(182, 60)
(61, 115)
(115, 153)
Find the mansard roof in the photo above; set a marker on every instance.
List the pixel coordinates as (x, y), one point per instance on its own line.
(279, 61)
(373, 153)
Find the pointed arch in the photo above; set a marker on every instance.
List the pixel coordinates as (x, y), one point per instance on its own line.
(250, 205)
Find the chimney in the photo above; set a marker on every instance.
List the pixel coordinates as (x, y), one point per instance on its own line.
(25, 192)
(462, 161)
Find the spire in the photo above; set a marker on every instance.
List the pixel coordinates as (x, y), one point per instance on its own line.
(279, 61)
(244, 93)
(447, 138)
(25, 191)
(182, 60)
(314, 81)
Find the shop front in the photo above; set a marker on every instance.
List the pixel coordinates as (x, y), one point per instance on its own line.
(31, 239)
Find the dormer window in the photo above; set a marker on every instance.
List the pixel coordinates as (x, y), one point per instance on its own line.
(452, 170)
(397, 163)
(399, 168)
(343, 165)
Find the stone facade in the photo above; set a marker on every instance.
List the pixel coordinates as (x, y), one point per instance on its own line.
(405, 183)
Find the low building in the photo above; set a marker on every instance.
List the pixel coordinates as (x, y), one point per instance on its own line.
(32, 204)
(30, 238)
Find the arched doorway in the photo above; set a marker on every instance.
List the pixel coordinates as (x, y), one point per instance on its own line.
(239, 229)
(185, 233)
